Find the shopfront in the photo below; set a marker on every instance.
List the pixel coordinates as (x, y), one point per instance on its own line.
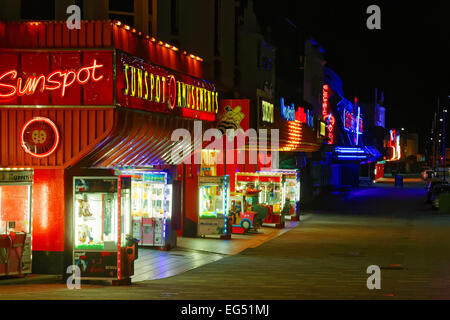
(86, 147)
(301, 134)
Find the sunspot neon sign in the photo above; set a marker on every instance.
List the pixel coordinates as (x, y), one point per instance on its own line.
(57, 80)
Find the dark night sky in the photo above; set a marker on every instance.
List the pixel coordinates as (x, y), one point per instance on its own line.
(408, 57)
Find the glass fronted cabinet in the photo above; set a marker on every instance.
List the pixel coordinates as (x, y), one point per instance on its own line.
(214, 204)
(151, 207)
(102, 227)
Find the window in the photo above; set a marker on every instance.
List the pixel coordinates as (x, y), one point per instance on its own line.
(121, 5)
(37, 10)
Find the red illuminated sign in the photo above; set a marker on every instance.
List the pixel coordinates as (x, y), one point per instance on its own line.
(328, 117)
(350, 122)
(57, 80)
(145, 86)
(39, 137)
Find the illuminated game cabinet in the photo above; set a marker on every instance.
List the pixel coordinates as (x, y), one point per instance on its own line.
(103, 246)
(214, 204)
(151, 207)
(272, 196)
(291, 191)
(243, 202)
(15, 222)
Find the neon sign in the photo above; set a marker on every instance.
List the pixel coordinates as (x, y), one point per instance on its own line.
(305, 116)
(287, 111)
(39, 137)
(328, 117)
(57, 80)
(142, 84)
(394, 144)
(350, 123)
(267, 111)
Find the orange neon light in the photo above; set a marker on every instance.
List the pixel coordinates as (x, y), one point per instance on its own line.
(66, 79)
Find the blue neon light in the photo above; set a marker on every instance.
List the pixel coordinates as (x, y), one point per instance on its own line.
(351, 157)
(348, 150)
(287, 111)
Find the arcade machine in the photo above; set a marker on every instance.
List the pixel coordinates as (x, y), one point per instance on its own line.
(246, 181)
(15, 222)
(291, 191)
(151, 209)
(272, 196)
(214, 203)
(242, 211)
(103, 246)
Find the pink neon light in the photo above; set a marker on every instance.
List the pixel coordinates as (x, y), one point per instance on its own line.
(331, 121)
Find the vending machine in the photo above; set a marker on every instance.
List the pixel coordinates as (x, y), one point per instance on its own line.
(214, 204)
(104, 248)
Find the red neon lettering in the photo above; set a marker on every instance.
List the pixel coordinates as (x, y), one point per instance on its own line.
(94, 66)
(65, 84)
(13, 74)
(57, 83)
(30, 85)
(51, 82)
(79, 75)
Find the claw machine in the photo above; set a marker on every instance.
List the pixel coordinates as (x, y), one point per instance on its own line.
(15, 222)
(272, 196)
(104, 248)
(291, 191)
(151, 209)
(214, 204)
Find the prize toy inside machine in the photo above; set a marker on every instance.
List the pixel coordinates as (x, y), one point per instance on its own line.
(214, 203)
(15, 223)
(209, 163)
(104, 247)
(151, 208)
(272, 197)
(245, 209)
